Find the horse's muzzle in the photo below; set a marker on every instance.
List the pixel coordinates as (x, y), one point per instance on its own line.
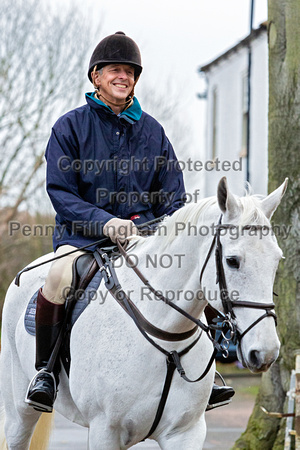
(258, 361)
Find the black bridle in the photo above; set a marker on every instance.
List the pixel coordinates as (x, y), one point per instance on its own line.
(227, 303)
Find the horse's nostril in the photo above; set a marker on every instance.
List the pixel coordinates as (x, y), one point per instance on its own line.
(254, 358)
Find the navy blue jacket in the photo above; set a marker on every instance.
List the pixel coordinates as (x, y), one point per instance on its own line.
(100, 166)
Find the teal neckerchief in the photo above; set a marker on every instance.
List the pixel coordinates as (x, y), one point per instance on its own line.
(133, 113)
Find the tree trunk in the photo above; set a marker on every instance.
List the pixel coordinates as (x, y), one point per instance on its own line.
(264, 432)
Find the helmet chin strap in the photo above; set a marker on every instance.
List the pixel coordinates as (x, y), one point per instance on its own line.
(109, 102)
(127, 103)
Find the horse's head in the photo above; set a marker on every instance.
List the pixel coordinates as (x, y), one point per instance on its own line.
(248, 260)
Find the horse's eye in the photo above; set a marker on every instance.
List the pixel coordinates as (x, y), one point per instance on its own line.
(233, 262)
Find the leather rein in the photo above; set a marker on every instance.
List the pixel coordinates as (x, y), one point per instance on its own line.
(228, 322)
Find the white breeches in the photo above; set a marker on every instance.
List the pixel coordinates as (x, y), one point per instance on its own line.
(59, 278)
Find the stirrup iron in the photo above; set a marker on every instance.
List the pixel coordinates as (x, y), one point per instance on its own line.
(36, 405)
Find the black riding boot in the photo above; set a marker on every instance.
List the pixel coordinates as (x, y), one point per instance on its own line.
(43, 387)
(220, 396)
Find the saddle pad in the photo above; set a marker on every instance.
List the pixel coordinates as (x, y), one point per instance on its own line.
(79, 307)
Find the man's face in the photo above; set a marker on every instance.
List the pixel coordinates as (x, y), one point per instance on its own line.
(116, 81)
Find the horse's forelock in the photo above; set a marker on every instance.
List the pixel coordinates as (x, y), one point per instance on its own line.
(252, 213)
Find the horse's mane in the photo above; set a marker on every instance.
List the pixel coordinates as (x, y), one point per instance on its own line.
(195, 214)
(192, 214)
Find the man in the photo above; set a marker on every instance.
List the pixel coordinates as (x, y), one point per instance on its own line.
(106, 172)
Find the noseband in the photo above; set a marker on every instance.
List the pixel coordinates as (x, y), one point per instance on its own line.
(228, 304)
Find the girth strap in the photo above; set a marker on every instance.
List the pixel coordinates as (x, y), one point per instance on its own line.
(164, 396)
(173, 362)
(171, 366)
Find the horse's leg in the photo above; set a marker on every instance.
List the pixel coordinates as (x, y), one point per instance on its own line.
(100, 432)
(20, 419)
(19, 422)
(18, 433)
(191, 439)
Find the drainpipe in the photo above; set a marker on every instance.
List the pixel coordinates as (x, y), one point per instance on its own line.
(249, 92)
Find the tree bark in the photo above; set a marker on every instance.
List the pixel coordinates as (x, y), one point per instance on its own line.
(284, 161)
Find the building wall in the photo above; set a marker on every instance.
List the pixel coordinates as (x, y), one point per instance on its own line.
(226, 79)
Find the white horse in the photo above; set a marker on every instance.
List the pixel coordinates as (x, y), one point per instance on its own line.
(116, 375)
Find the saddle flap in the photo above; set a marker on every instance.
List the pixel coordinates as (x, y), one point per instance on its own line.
(84, 270)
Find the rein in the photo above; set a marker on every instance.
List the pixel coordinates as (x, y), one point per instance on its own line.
(112, 284)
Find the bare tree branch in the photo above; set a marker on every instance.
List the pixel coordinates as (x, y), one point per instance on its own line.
(42, 73)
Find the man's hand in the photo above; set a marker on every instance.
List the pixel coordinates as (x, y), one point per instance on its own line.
(119, 229)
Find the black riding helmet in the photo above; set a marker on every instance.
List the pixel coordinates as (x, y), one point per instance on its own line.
(116, 49)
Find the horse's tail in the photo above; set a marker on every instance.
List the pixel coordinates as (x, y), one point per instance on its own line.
(2, 436)
(2, 422)
(41, 436)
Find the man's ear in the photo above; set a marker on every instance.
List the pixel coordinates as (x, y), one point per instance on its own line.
(96, 77)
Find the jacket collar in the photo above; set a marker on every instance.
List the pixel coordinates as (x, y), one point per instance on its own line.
(131, 114)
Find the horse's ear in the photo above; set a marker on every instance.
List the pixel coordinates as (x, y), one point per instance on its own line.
(227, 202)
(270, 203)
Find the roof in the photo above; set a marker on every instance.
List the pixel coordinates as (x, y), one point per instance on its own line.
(243, 43)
